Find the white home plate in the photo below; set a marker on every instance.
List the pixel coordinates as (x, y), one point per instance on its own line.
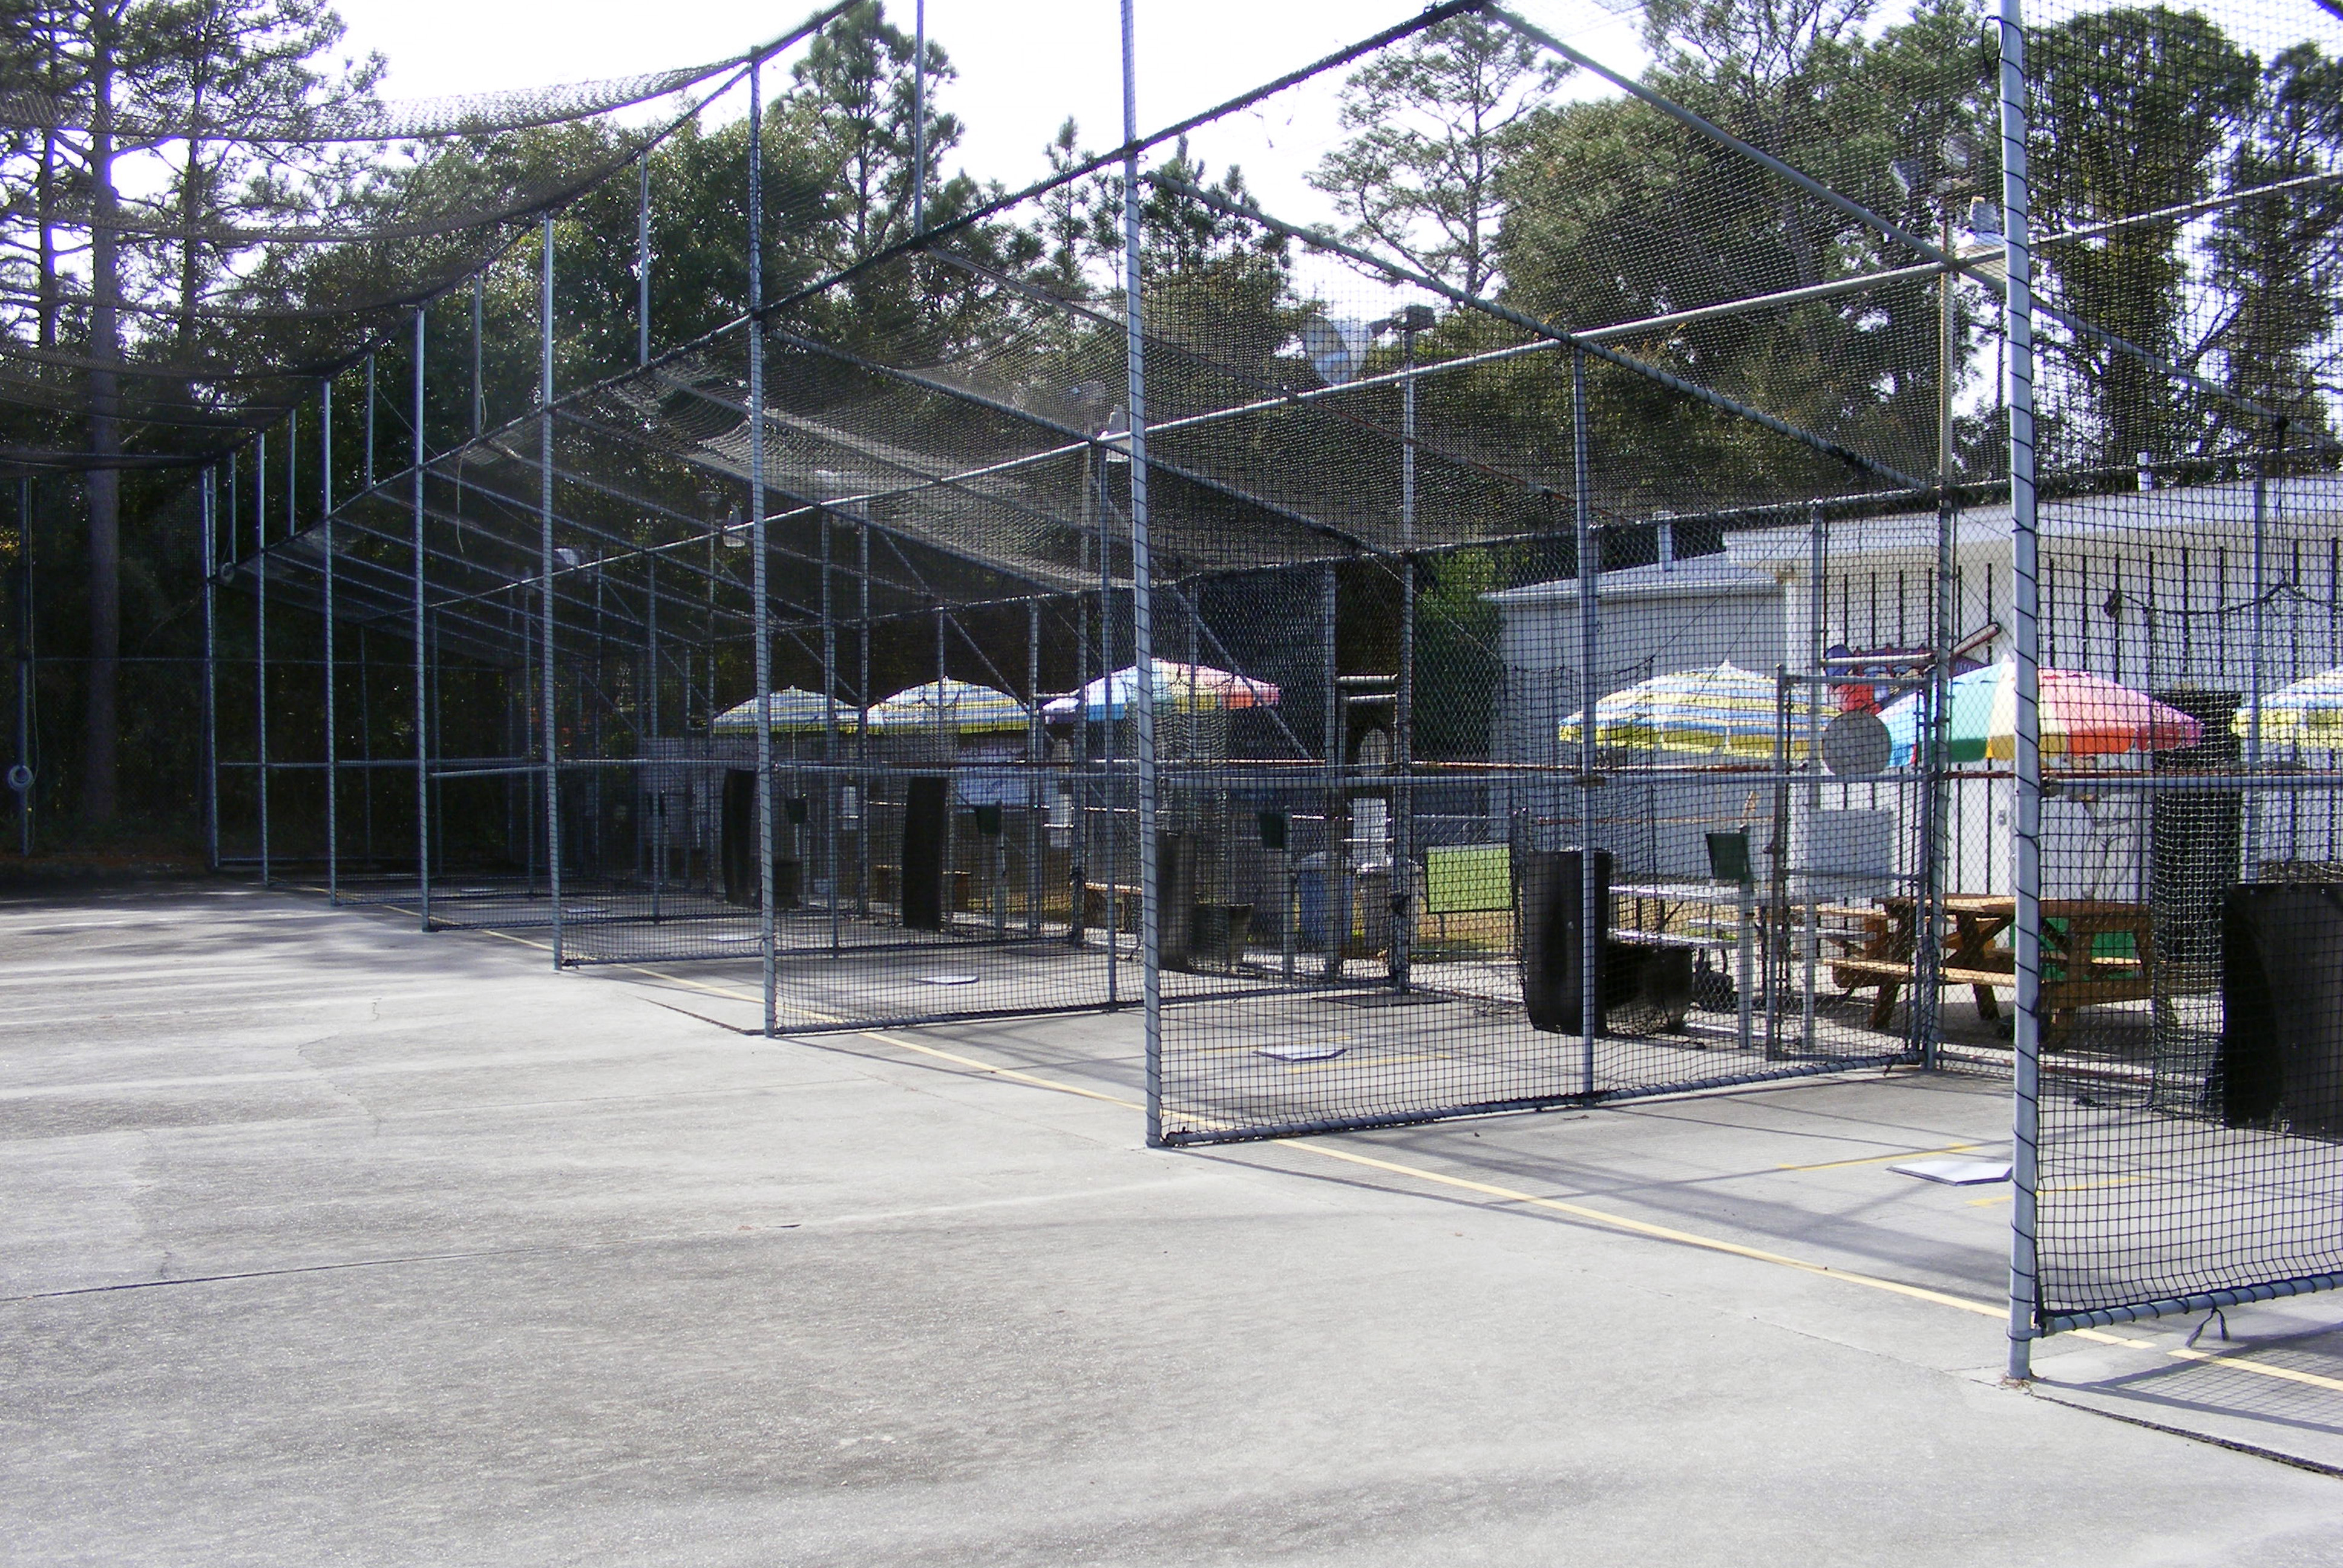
(1302, 1052)
(947, 979)
(1955, 1172)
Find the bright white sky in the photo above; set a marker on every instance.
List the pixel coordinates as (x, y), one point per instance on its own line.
(1023, 64)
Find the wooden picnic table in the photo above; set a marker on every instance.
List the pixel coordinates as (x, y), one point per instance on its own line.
(1883, 946)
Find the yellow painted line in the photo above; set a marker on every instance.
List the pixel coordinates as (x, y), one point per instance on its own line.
(2067, 1187)
(1009, 1072)
(1883, 1159)
(1556, 1205)
(2286, 1374)
(1644, 1228)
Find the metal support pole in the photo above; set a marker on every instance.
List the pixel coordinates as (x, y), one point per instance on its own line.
(1810, 938)
(210, 503)
(479, 408)
(547, 563)
(643, 265)
(1036, 753)
(1403, 866)
(369, 423)
(829, 731)
(422, 687)
(22, 777)
(333, 750)
(948, 746)
(761, 614)
(652, 722)
(1590, 575)
(1143, 590)
(260, 636)
(1106, 753)
(862, 816)
(920, 115)
(2255, 667)
(1335, 875)
(2025, 929)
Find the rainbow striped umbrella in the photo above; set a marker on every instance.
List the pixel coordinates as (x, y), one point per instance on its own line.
(1722, 713)
(2083, 715)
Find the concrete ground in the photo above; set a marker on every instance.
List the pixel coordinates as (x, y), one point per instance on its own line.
(322, 1240)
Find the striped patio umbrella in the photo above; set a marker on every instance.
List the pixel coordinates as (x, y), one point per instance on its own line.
(2083, 715)
(1723, 713)
(1179, 688)
(792, 711)
(2308, 713)
(962, 705)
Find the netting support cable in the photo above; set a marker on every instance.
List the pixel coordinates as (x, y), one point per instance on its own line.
(1590, 581)
(1142, 629)
(761, 610)
(2026, 926)
(1318, 239)
(326, 588)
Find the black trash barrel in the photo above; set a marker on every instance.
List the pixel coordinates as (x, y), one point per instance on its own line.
(2282, 1058)
(1548, 898)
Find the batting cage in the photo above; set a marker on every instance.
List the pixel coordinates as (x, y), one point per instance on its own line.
(1737, 583)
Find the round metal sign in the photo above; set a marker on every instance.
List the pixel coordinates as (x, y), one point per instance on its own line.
(1856, 744)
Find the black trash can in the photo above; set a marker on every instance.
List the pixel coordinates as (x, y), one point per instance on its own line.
(1548, 900)
(2281, 1056)
(924, 834)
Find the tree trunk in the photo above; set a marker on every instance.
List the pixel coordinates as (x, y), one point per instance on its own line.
(98, 799)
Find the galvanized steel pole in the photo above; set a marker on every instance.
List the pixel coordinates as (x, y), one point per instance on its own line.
(549, 564)
(260, 636)
(643, 265)
(210, 504)
(422, 684)
(1590, 574)
(1402, 806)
(920, 115)
(762, 615)
(830, 729)
(1143, 590)
(2025, 931)
(333, 755)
